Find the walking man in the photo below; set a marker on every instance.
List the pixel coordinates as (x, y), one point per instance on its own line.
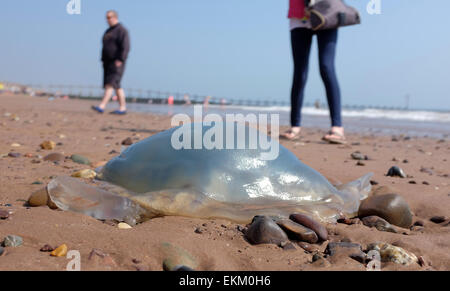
(116, 46)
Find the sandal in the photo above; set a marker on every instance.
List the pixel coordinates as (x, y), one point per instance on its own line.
(98, 109)
(118, 112)
(296, 136)
(340, 138)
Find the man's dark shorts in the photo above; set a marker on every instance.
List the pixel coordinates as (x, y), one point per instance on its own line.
(112, 75)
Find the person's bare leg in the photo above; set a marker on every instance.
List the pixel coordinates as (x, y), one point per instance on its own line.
(109, 90)
(122, 99)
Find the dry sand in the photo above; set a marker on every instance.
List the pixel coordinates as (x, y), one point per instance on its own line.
(221, 246)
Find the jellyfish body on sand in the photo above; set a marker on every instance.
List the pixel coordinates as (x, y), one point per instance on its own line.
(152, 178)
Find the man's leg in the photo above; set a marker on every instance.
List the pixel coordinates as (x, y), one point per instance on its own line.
(122, 99)
(107, 96)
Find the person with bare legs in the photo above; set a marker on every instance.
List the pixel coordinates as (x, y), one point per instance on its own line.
(116, 46)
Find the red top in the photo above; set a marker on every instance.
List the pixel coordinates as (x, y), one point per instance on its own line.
(296, 9)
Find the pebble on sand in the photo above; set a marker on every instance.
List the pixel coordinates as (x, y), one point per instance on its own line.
(264, 230)
(359, 156)
(41, 198)
(60, 251)
(123, 225)
(390, 253)
(47, 249)
(308, 247)
(85, 174)
(438, 219)
(127, 142)
(379, 223)
(4, 214)
(54, 157)
(14, 155)
(312, 224)
(298, 231)
(348, 249)
(48, 145)
(12, 241)
(391, 207)
(79, 159)
(396, 172)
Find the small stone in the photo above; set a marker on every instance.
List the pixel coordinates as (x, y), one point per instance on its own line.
(38, 198)
(359, 156)
(308, 247)
(16, 145)
(80, 159)
(37, 183)
(123, 225)
(396, 172)
(177, 257)
(412, 182)
(198, 230)
(390, 253)
(54, 157)
(360, 163)
(422, 262)
(136, 261)
(4, 214)
(425, 183)
(298, 231)
(14, 155)
(264, 230)
(12, 241)
(391, 207)
(48, 145)
(60, 251)
(238, 228)
(348, 249)
(416, 228)
(47, 248)
(319, 261)
(426, 170)
(373, 182)
(287, 246)
(419, 223)
(438, 219)
(310, 223)
(379, 223)
(127, 142)
(85, 174)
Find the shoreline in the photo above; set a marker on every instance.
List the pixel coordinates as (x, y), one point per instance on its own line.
(28, 121)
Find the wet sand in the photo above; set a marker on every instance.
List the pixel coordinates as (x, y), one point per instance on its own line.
(29, 121)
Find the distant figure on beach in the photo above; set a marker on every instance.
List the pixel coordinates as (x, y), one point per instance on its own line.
(187, 100)
(301, 40)
(206, 101)
(116, 46)
(317, 104)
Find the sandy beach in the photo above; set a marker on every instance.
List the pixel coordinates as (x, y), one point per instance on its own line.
(26, 122)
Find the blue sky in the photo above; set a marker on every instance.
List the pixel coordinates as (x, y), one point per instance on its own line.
(233, 48)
